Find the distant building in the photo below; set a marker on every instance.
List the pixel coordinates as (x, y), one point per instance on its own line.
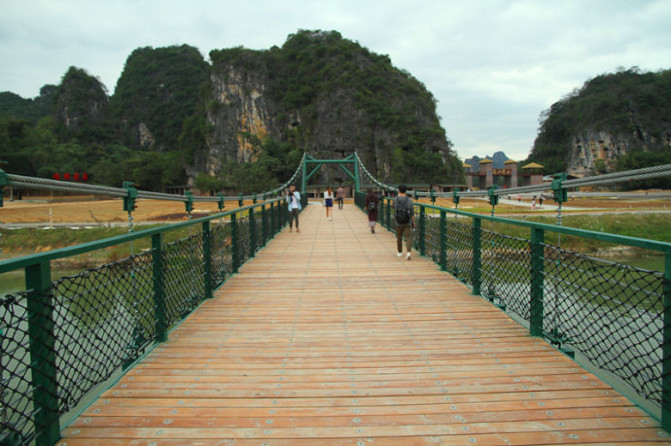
(532, 174)
(487, 175)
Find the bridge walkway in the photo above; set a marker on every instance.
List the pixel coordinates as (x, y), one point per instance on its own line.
(327, 337)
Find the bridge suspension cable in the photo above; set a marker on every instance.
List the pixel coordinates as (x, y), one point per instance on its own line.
(33, 183)
(597, 180)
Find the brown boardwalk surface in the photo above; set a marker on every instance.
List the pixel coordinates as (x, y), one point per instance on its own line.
(326, 337)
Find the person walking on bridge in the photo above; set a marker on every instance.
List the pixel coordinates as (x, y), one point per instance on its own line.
(340, 197)
(404, 215)
(371, 206)
(294, 203)
(328, 202)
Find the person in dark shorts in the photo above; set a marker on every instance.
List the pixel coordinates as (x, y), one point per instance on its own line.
(328, 202)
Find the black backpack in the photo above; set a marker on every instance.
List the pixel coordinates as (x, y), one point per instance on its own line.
(372, 206)
(404, 211)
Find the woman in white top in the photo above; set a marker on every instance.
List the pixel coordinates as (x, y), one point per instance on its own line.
(328, 202)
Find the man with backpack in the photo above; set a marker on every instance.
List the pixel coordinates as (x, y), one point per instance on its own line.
(404, 214)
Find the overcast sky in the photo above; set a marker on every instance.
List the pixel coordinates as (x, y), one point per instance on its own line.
(493, 66)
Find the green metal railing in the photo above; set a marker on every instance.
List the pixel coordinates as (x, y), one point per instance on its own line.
(615, 316)
(60, 339)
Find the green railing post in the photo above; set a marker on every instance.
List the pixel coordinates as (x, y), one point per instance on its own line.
(273, 219)
(207, 260)
(422, 230)
(42, 352)
(388, 216)
(383, 212)
(537, 266)
(477, 255)
(264, 226)
(357, 182)
(443, 240)
(159, 287)
(234, 243)
(666, 347)
(380, 213)
(252, 233)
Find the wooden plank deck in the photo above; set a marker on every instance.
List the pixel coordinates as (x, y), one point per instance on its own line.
(326, 337)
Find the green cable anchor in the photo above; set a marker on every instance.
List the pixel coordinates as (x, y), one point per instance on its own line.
(254, 198)
(433, 197)
(188, 204)
(240, 200)
(493, 199)
(129, 204)
(560, 193)
(220, 203)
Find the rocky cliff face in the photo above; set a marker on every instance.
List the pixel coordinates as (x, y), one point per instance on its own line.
(313, 94)
(611, 120)
(241, 114)
(245, 112)
(80, 102)
(593, 150)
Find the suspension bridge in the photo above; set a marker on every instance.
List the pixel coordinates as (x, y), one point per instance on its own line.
(244, 332)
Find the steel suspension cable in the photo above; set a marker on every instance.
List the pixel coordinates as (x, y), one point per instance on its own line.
(25, 182)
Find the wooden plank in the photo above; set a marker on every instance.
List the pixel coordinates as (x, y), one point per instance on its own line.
(326, 337)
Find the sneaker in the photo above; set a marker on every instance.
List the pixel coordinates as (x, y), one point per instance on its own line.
(399, 254)
(407, 257)
(298, 230)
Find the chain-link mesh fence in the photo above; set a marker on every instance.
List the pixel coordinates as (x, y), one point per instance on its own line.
(610, 312)
(183, 276)
(459, 247)
(16, 380)
(94, 324)
(506, 272)
(432, 236)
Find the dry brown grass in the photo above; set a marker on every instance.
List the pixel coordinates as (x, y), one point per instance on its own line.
(107, 211)
(101, 211)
